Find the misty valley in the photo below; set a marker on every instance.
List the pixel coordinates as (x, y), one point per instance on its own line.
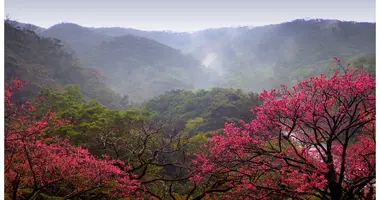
(281, 111)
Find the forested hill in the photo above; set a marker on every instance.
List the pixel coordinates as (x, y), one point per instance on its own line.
(239, 57)
(143, 68)
(184, 41)
(136, 66)
(43, 62)
(79, 38)
(282, 53)
(177, 40)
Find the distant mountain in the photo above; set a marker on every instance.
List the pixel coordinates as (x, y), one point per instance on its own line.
(142, 64)
(136, 66)
(265, 57)
(43, 62)
(80, 39)
(178, 40)
(184, 41)
(143, 68)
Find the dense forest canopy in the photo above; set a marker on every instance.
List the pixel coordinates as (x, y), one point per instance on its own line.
(224, 113)
(202, 110)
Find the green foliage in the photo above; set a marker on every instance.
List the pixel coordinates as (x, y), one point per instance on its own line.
(201, 110)
(366, 61)
(86, 116)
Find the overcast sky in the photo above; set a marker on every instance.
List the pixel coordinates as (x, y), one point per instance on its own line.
(184, 15)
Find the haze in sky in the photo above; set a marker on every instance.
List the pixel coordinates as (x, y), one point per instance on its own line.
(184, 15)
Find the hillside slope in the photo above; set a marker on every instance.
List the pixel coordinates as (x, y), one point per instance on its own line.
(135, 66)
(270, 55)
(239, 57)
(43, 62)
(266, 56)
(143, 68)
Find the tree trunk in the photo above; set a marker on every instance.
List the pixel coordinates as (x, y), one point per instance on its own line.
(15, 184)
(335, 191)
(370, 194)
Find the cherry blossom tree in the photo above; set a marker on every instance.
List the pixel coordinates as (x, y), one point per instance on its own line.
(50, 165)
(314, 140)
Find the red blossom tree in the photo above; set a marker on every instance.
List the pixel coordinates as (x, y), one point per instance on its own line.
(50, 165)
(314, 140)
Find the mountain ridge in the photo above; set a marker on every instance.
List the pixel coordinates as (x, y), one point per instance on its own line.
(240, 57)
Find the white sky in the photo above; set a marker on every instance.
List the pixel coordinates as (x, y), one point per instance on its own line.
(184, 15)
